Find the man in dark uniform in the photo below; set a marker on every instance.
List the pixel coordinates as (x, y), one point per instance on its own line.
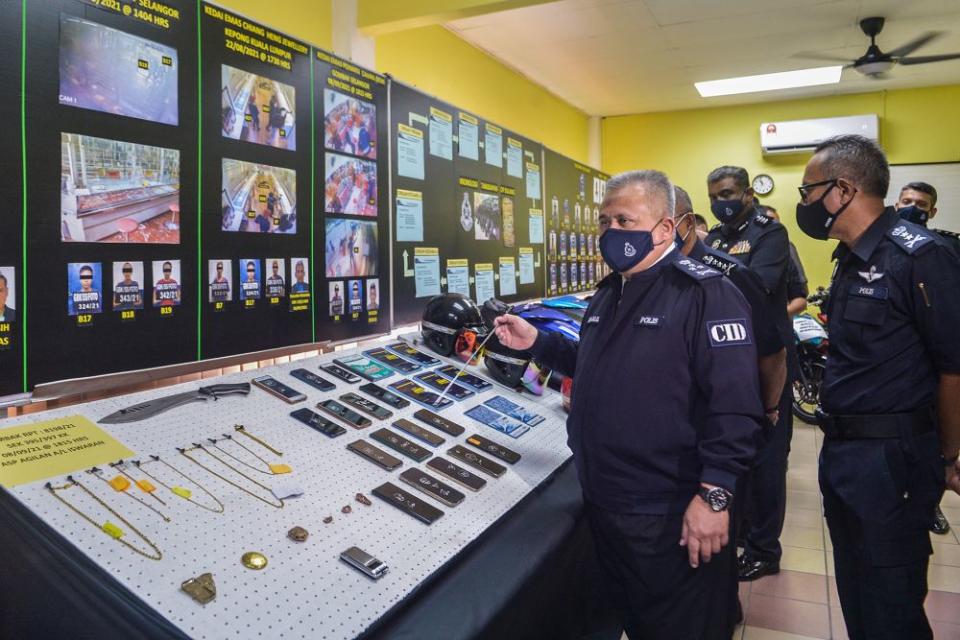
(918, 204)
(664, 416)
(761, 244)
(797, 289)
(891, 391)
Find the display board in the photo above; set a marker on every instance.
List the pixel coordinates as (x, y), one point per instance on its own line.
(468, 209)
(353, 208)
(572, 208)
(111, 186)
(11, 194)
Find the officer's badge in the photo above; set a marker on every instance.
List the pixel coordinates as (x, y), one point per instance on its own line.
(716, 244)
(871, 275)
(741, 247)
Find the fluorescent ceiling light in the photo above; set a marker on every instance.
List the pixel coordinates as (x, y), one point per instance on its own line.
(770, 81)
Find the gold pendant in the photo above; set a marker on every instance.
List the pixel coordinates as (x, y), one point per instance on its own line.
(202, 588)
(254, 560)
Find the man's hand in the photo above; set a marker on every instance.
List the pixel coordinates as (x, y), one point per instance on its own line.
(705, 531)
(953, 476)
(515, 332)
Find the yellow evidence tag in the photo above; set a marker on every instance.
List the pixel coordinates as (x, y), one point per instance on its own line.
(120, 483)
(280, 468)
(182, 492)
(146, 486)
(112, 530)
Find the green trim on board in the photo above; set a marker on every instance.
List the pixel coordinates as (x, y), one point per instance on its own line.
(23, 198)
(313, 201)
(199, 182)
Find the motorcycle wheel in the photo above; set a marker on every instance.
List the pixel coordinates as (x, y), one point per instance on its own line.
(806, 391)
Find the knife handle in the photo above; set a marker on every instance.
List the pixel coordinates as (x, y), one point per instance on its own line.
(217, 390)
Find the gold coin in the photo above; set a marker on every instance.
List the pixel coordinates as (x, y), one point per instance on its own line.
(254, 560)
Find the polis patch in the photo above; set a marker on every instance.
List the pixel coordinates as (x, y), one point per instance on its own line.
(728, 333)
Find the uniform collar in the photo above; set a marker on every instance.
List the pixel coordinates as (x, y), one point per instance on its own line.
(868, 242)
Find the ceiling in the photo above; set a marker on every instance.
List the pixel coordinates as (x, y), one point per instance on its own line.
(612, 57)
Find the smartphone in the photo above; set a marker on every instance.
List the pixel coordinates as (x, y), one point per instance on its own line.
(429, 485)
(473, 381)
(418, 432)
(349, 416)
(368, 407)
(401, 445)
(409, 504)
(485, 464)
(420, 394)
(408, 352)
(439, 422)
(340, 372)
(494, 449)
(274, 387)
(457, 473)
(392, 360)
(364, 563)
(383, 395)
(364, 367)
(318, 423)
(377, 456)
(313, 380)
(438, 382)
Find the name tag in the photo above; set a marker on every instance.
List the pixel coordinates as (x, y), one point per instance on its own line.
(648, 321)
(869, 291)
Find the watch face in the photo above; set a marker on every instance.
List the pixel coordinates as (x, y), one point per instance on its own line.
(718, 499)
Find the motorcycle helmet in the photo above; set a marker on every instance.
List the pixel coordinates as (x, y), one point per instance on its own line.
(448, 319)
(507, 366)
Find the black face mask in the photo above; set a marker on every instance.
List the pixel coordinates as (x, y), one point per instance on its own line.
(914, 214)
(815, 220)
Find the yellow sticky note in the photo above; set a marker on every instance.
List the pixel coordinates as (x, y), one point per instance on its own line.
(182, 492)
(120, 483)
(146, 486)
(57, 447)
(112, 530)
(280, 468)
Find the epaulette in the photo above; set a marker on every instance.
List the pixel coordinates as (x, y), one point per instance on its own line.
(696, 269)
(724, 265)
(762, 220)
(715, 227)
(910, 237)
(947, 234)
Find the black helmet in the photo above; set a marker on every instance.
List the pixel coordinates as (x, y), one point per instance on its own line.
(505, 365)
(444, 319)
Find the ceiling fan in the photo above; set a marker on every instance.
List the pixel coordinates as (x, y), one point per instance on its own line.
(875, 63)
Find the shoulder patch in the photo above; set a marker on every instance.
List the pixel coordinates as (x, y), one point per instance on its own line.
(947, 234)
(724, 265)
(910, 237)
(762, 220)
(696, 269)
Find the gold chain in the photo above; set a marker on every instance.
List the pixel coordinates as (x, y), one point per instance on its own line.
(75, 483)
(140, 466)
(213, 442)
(242, 429)
(119, 467)
(98, 473)
(185, 452)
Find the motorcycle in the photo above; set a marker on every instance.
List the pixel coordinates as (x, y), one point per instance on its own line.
(812, 341)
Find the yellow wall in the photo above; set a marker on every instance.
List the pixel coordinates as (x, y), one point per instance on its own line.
(439, 63)
(307, 20)
(916, 125)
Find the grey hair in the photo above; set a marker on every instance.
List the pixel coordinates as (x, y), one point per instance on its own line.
(654, 181)
(740, 176)
(684, 204)
(859, 160)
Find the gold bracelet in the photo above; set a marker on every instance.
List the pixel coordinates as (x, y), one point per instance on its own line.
(183, 493)
(195, 447)
(107, 527)
(97, 472)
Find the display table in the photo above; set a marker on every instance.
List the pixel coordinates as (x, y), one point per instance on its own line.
(512, 560)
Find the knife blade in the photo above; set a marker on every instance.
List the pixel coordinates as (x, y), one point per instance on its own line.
(153, 407)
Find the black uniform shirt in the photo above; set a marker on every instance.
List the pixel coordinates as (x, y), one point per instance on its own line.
(665, 392)
(763, 311)
(893, 318)
(796, 277)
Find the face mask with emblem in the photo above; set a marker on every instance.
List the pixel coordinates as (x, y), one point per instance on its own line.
(914, 214)
(815, 220)
(727, 211)
(624, 249)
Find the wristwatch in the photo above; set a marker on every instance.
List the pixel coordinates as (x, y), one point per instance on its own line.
(718, 498)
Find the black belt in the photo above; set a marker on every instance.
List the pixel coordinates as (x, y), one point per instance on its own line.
(882, 426)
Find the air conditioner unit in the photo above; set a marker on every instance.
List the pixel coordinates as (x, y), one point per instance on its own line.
(795, 136)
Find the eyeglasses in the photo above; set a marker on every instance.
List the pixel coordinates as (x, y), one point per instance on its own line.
(806, 189)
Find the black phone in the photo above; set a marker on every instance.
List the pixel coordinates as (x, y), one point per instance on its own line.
(383, 395)
(377, 456)
(368, 407)
(438, 422)
(349, 416)
(440, 383)
(494, 449)
(313, 380)
(457, 473)
(407, 503)
(483, 463)
(400, 444)
(429, 485)
(340, 372)
(318, 423)
(405, 350)
(274, 387)
(418, 432)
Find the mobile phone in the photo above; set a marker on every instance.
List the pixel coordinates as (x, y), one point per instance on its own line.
(364, 367)
(392, 360)
(485, 464)
(408, 352)
(364, 563)
(407, 503)
(457, 473)
(318, 423)
(349, 416)
(473, 381)
(438, 382)
(381, 394)
(274, 387)
(313, 380)
(368, 407)
(432, 487)
(418, 432)
(439, 422)
(340, 372)
(494, 449)
(400, 444)
(377, 456)
(420, 394)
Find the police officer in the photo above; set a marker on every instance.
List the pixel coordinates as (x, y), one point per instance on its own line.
(664, 415)
(761, 243)
(797, 289)
(891, 391)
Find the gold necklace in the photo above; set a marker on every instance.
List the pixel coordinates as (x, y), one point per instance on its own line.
(179, 491)
(96, 472)
(107, 527)
(273, 469)
(239, 428)
(195, 447)
(143, 485)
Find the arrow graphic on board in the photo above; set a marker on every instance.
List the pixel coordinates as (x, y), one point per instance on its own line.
(443, 281)
(496, 276)
(538, 259)
(407, 271)
(416, 117)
